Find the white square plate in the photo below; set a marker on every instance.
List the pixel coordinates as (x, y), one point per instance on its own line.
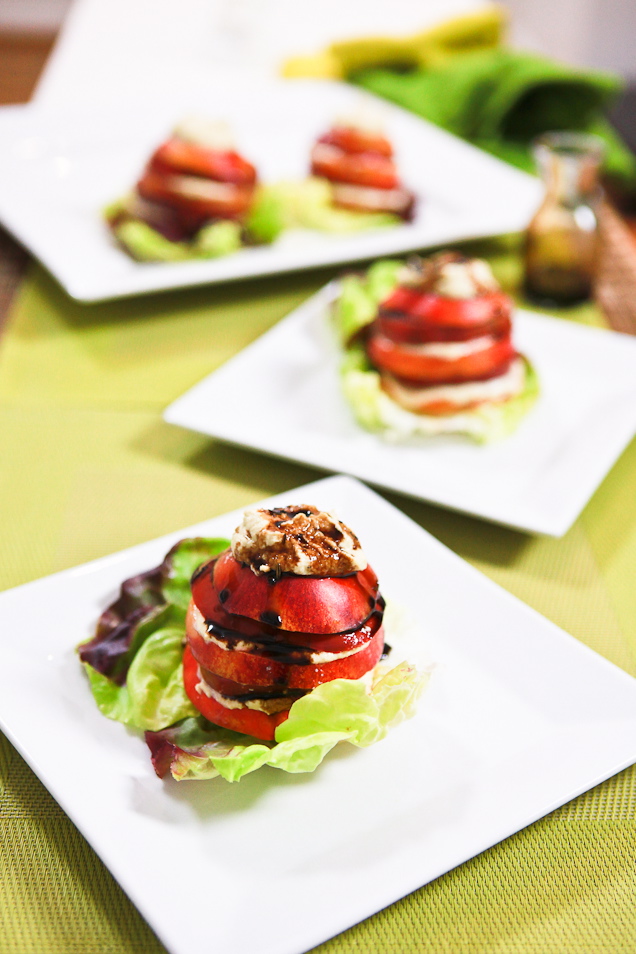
(65, 168)
(518, 718)
(281, 395)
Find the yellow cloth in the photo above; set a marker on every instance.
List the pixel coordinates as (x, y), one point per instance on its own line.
(87, 467)
(481, 30)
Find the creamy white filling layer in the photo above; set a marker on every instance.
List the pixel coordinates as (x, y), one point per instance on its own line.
(244, 646)
(370, 199)
(262, 705)
(494, 389)
(196, 187)
(448, 350)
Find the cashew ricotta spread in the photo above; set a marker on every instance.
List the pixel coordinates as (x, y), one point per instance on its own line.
(450, 275)
(211, 134)
(300, 540)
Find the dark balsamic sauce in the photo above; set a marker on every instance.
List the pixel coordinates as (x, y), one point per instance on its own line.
(265, 694)
(270, 641)
(201, 570)
(224, 595)
(386, 651)
(271, 618)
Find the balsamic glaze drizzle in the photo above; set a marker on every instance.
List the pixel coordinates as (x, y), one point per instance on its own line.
(270, 643)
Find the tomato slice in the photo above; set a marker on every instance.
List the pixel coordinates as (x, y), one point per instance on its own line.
(360, 168)
(411, 316)
(242, 693)
(196, 195)
(418, 368)
(250, 721)
(287, 667)
(426, 399)
(301, 604)
(175, 155)
(272, 640)
(352, 139)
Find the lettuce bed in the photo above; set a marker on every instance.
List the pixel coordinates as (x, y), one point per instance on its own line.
(373, 409)
(135, 670)
(306, 204)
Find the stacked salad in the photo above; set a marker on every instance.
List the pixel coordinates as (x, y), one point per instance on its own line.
(266, 650)
(428, 350)
(198, 197)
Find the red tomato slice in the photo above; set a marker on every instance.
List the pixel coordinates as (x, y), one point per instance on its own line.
(360, 168)
(351, 139)
(415, 317)
(423, 369)
(272, 640)
(250, 721)
(175, 155)
(300, 604)
(195, 195)
(265, 670)
(409, 330)
(240, 692)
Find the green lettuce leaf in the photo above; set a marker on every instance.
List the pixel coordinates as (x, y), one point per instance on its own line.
(153, 696)
(181, 562)
(360, 295)
(375, 411)
(337, 711)
(216, 239)
(307, 203)
(147, 245)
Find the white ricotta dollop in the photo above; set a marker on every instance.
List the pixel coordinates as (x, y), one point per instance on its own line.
(300, 540)
(465, 279)
(365, 116)
(450, 275)
(209, 133)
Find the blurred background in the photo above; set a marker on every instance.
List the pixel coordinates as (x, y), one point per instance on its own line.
(585, 33)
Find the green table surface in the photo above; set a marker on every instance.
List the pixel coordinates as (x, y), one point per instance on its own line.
(88, 467)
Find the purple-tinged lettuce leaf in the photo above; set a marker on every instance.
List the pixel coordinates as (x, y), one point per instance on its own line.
(153, 696)
(138, 610)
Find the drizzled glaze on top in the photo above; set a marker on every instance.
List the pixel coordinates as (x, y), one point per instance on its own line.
(302, 540)
(449, 274)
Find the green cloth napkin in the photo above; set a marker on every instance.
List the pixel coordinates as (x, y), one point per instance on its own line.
(500, 99)
(87, 466)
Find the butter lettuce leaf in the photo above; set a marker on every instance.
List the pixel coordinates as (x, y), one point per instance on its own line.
(375, 411)
(153, 696)
(145, 244)
(338, 711)
(360, 295)
(307, 203)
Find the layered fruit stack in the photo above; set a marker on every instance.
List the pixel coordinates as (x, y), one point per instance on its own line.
(359, 163)
(442, 339)
(292, 604)
(194, 178)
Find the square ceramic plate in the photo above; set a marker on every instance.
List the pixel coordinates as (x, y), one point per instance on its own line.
(518, 718)
(538, 479)
(65, 168)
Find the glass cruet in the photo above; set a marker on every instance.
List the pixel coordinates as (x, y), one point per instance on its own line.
(562, 239)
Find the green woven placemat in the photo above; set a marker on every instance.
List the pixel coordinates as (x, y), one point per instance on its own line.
(88, 467)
